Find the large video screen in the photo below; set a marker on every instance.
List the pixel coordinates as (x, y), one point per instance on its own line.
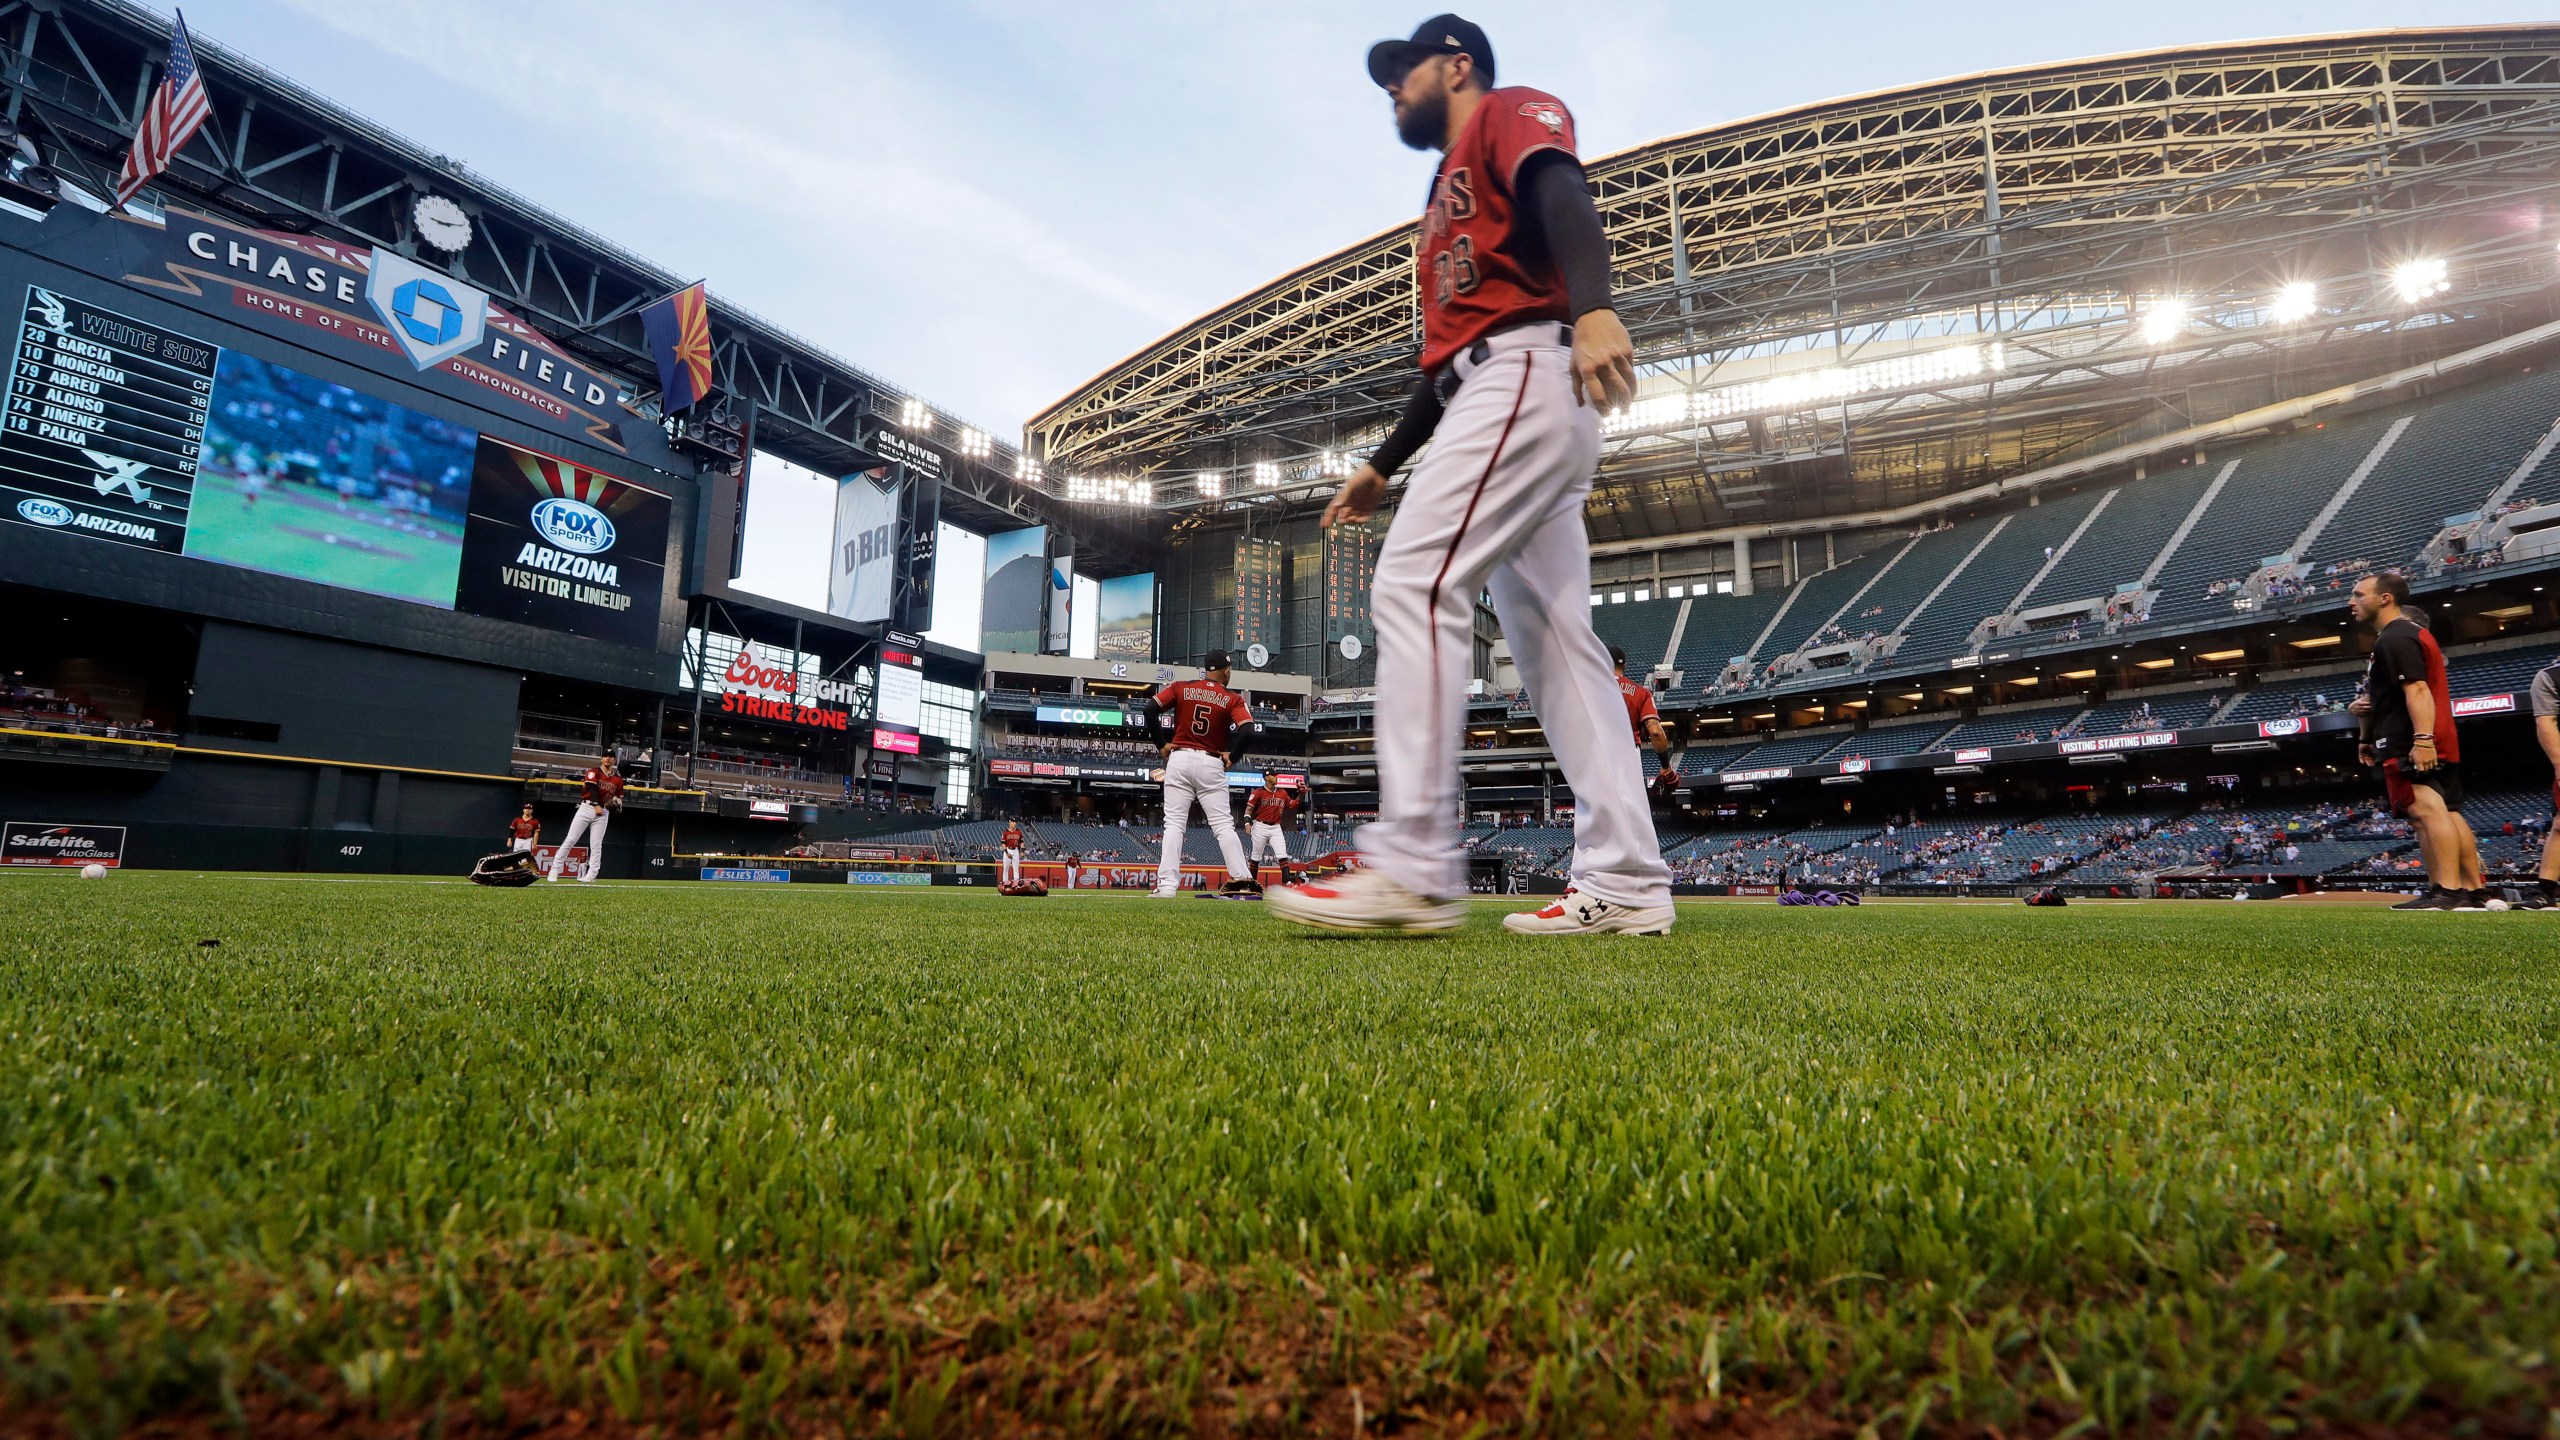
(1014, 618)
(1126, 626)
(130, 432)
(557, 545)
(305, 478)
(821, 542)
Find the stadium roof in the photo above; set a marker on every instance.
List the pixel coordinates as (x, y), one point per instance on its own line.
(1871, 300)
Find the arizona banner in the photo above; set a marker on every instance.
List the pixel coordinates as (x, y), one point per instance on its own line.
(679, 329)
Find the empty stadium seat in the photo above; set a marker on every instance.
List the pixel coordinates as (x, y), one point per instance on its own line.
(1993, 578)
(2458, 448)
(1892, 737)
(2277, 489)
(2005, 729)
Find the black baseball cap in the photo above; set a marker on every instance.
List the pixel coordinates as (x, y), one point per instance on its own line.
(1215, 660)
(1439, 35)
(1618, 656)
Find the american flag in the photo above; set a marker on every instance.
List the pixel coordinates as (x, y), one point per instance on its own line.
(177, 111)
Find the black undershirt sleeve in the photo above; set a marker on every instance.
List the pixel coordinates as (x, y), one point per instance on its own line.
(1557, 203)
(1421, 417)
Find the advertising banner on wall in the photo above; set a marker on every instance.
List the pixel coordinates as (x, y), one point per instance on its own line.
(863, 566)
(1126, 627)
(554, 544)
(34, 842)
(369, 307)
(1013, 618)
(1062, 600)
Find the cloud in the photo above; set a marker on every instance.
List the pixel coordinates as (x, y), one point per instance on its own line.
(812, 155)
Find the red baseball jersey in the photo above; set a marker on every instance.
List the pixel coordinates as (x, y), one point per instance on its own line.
(1269, 806)
(1640, 707)
(1013, 837)
(1203, 711)
(1474, 275)
(601, 788)
(524, 827)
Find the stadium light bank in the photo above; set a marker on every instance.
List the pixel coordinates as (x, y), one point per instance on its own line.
(1809, 388)
(1110, 490)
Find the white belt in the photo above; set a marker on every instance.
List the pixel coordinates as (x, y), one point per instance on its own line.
(1532, 335)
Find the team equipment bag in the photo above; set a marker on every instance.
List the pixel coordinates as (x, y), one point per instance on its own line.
(510, 868)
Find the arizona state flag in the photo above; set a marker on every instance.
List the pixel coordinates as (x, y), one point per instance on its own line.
(680, 340)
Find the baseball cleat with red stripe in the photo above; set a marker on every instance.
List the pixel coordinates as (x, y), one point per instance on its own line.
(1364, 900)
(1575, 913)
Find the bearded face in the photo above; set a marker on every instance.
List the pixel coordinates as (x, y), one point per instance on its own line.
(1422, 120)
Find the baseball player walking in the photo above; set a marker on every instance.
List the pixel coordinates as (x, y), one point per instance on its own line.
(524, 832)
(599, 800)
(1204, 713)
(1520, 355)
(1269, 809)
(1645, 717)
(1009, 857)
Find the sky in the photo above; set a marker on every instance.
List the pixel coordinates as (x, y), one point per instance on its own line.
(987, 202)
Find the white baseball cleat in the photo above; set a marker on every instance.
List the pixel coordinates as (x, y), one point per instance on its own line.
(1363, 900)
(1575, 913)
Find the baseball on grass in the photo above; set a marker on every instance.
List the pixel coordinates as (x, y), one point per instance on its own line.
(93, 871)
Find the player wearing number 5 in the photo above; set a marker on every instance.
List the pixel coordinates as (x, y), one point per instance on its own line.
(599, 800)
(1204, 714)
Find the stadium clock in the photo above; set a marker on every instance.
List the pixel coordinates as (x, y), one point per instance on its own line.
(442, 224)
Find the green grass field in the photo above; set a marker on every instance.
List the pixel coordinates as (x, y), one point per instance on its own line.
(430, 1159)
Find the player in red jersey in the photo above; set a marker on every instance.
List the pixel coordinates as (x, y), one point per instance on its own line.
(2406, 714)
(1009, 858)
(1520, 355)
(524, 832)
(1269, 809)
(1204, 716)
(599, 800)
(1645, 718)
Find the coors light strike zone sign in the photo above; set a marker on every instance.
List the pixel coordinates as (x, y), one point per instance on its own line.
(760, 684)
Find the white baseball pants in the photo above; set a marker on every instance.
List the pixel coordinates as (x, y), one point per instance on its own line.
(589, 822)
(1274, 837)
(521, 847)
(1497, 503)
(1196, 777)
(1009, 867)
